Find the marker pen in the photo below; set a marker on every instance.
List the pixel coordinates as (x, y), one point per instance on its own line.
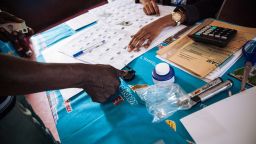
(187, 101)
(212, 92)
(206, 87)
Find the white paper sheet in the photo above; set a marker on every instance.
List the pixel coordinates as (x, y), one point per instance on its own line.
(230, 121)
(117, 22)
(115, 49)
(81, 21)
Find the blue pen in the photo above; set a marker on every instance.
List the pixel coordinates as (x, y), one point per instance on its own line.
(88, 49)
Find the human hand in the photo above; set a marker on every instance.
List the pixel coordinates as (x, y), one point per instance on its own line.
(18, 39)
(102, 82)
(150, 7)
(148, 33)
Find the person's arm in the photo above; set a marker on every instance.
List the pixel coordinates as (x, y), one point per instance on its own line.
(200, 10)
(20, 76)
(189, 13)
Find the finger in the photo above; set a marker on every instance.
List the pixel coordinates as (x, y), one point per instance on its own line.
(156, 9)
(151, 9)
(135, 41)
(147, 9)
(25, 43)
(133, 38)
(147, 44)
(142, 41)
(139, 38)
(30, 32)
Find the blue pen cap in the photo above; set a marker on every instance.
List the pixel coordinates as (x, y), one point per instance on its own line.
(163, 72)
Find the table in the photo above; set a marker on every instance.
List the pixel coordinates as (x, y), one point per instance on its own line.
(80, 120)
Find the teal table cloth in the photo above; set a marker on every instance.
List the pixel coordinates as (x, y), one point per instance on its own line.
(79, 120)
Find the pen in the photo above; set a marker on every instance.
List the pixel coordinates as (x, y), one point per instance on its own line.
(206, 87)
(88, 48)
(212, 92)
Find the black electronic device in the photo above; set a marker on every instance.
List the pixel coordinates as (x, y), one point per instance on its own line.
(215, 35)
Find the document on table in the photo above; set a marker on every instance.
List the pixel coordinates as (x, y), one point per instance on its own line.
(126, 15)
(202, 60)
(117, 22)
(229, 121)
(114, 50)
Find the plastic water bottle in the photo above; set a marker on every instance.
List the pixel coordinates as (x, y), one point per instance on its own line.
(163, 72)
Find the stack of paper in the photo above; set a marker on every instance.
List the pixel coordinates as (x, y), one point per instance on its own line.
(206, 61)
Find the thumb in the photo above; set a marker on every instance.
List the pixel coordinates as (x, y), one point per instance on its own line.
(127, 75)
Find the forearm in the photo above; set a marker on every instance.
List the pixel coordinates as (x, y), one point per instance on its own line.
(165, 21)
(19, 76)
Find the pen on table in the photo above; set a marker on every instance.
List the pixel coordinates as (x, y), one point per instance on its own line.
(213, 91)
(88, 48)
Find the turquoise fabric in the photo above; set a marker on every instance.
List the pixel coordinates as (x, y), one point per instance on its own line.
(54, 35)
(7, 48)
(90, 122)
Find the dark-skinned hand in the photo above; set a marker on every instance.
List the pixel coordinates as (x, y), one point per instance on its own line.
(145, 36)
(150, 7)
(102, 82)
(19, 40)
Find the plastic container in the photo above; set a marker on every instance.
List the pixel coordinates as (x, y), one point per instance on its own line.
(163, 72)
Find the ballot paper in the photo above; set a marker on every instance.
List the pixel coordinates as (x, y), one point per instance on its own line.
(117, 22)
(229, 121)
(114, 50)
(126, 15)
